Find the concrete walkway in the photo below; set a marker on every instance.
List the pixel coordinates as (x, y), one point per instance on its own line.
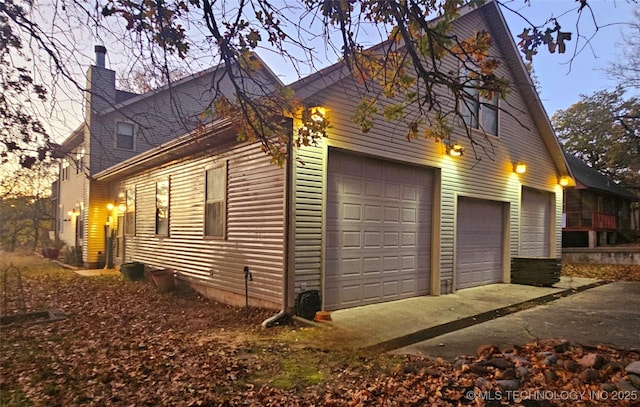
(395, 324)
(97, 272)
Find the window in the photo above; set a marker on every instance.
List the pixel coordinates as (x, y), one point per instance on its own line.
(215, 208)
(125, 136)
(162, 207)
(64, 171)
(80, 160)
(479, 112)
(130, 212)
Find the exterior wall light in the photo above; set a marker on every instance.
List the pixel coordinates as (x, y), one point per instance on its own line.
(110, 206)
(520, 167)
(564, 181)
(455, 150)
(71, 215)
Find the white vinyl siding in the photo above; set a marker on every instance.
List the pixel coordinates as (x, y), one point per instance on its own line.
(255, 225)
(490, 178)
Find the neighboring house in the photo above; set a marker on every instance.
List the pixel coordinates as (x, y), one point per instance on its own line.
(597, 211)
(119, 125)
(361, 218)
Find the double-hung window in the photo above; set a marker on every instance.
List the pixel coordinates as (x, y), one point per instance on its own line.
(215, 201)
(80, 153)
(130, 212)
(64, 171)
(162, 207)
(477, 111)
(125, 136)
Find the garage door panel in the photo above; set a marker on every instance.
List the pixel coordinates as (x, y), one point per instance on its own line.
(389, 235)
(479, 242)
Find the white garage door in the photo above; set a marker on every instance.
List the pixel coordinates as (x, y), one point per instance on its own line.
(479, 231)
(535, 221)
(378, 231)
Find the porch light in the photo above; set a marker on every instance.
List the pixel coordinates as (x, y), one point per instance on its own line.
(520, 167)
(564, 181)
(318, 114)
(455, 150)
(110, 206)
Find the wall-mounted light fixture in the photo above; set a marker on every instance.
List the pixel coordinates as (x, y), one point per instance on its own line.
(455, 150)
(564, 181)
(318, 114)
(520, 167)
(71, 215)
(313, 125)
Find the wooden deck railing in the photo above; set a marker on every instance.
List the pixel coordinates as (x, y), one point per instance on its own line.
(592, 221)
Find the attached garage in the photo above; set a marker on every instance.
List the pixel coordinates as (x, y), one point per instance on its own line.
(535, 222)
(378, 230)
(479, 242)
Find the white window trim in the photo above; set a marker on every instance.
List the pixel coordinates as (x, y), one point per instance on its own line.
(482, 106)
(65, 171)
(126, 211)
(168, 181)
(225, 197)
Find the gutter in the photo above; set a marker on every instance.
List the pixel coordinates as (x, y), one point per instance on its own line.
(158, 154)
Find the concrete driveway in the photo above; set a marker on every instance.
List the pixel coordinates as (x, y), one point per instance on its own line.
(608, 314)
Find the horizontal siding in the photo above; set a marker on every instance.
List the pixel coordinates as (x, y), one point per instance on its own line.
(485, 172)
(255, 223)
(308, 207)
(97, 214)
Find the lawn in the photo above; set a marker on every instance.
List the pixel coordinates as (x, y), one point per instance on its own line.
(122, 343)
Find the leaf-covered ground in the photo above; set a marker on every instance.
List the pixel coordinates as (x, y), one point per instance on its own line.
(124, 344)
(613, 272)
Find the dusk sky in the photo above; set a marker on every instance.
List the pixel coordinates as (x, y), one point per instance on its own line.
(560, 84)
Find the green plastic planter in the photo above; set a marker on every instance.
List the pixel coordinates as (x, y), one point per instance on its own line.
(133, 270)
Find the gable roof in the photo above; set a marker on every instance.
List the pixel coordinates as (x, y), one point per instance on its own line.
(124, 99)
(306, 88)
(589, 177)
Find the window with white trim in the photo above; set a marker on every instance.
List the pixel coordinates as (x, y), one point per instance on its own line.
(162, 207)
(125, 136)
(80, 153)
(215, 201)
(130, 212)
(64, 170)
(477, 111)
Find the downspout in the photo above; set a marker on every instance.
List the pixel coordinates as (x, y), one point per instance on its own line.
(288, 191)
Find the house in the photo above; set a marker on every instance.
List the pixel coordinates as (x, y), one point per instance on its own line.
(358, 218)
(596, 211)
(119, 125)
